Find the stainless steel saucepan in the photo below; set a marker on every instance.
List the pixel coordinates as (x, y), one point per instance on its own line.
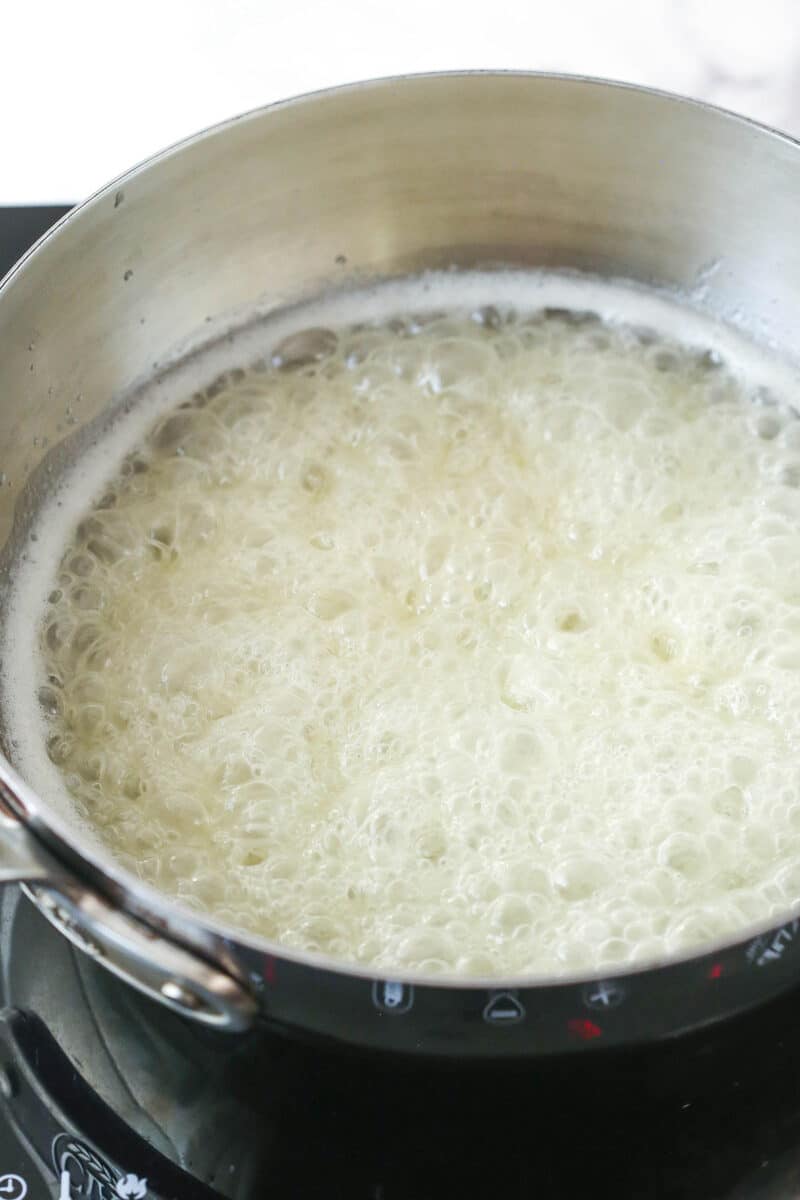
(378, 179)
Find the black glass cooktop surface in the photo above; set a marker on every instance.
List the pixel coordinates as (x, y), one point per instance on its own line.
(21, 226)
(104, 1094)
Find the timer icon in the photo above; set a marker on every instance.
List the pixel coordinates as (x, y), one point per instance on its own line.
(13, 1187)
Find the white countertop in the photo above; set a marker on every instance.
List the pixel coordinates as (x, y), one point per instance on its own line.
(88, 88)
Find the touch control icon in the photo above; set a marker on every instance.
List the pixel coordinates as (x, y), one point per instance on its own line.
(602, 995)
(503, 1008)
(388, 996)
(13, 1187)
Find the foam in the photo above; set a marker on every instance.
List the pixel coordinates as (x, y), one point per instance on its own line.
(462, 644)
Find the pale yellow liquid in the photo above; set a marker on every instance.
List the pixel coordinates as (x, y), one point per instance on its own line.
(472, 644)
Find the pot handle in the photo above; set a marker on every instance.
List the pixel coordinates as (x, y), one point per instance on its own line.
(136, 953)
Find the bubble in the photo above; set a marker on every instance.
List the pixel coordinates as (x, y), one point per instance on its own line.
(580, 877)
(488, 316)
(664, 647)
(170, 433)
(510, 913)
(684, 855)
(50, 701)
(666, 360)
(330, 605)
(59, 748)
(314, 478)
(55, 634)
(768, 427)
(304, 348)
(730, 803)
(572, 622)
(434, 555)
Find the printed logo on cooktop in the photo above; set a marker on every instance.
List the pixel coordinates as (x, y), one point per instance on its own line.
(83, 1175)
(771, 946)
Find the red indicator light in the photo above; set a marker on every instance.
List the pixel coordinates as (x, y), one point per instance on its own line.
(586, 1031)
(715, 970)
(269, 969)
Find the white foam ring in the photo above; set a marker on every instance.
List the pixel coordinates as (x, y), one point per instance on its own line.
(468, 643)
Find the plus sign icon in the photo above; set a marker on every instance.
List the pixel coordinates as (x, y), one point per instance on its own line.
(601, 996)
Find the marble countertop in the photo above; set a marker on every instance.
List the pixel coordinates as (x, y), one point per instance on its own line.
(88, 89)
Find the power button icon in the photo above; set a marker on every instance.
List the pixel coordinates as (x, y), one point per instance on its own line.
(391, 997)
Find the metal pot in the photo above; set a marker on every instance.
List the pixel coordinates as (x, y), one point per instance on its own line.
(378, 179)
